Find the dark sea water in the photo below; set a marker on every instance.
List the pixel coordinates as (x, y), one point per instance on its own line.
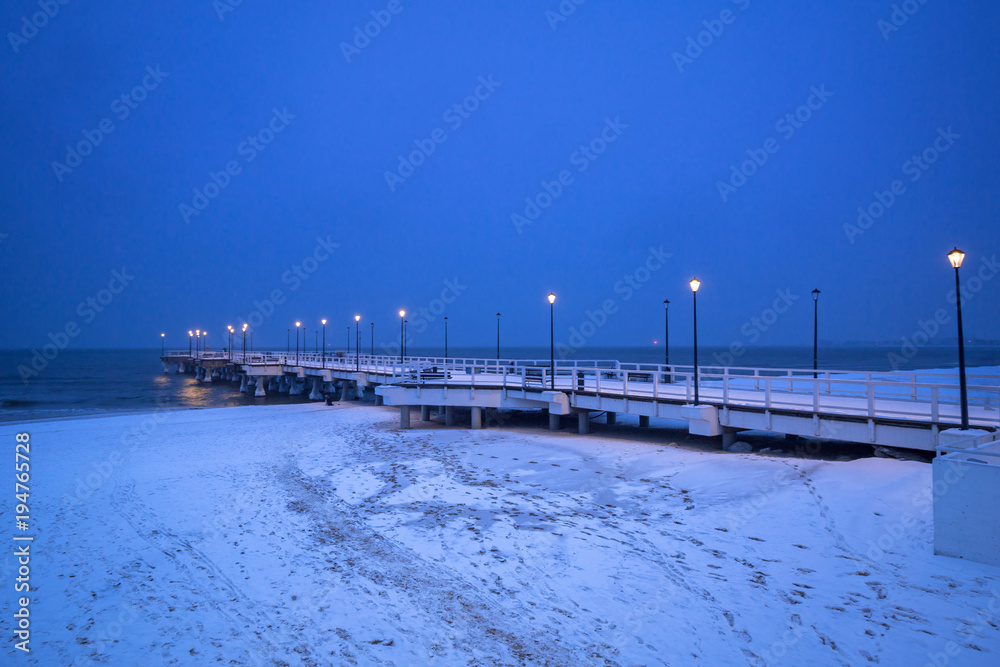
(80, 383)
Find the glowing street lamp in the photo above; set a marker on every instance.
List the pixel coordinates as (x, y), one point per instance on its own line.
(815, 294)
(956, 257)
(357, 334)
(244, 342)
(297, 325)
(323, 354)
(190, 340)
(402, 340)
(552, 340)
(162, 343)
(695, 284)
(197, 342)
(666, 336)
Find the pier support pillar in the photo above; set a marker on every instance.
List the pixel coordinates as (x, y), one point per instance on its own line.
(404, 416)
(553, 421)
(315, 394)
(728, 436)
(643, 421)
(425, 413)
(166, 367)
(243, 385)
(440, 410)
(583, 421)
(612, 418)
(477, 417)
(379, 400)
(261, 379)
(296, 387)
(207, 376)
(345, 395)
(273, 383)
(449, 415)
(177, 369)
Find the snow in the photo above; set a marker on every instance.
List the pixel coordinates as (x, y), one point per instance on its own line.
(311, 535)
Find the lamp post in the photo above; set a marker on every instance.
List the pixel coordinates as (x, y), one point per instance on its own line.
(695, 284)
(190, 340)
(197, 342)
(446, 338)
(552, 340)
(956, 257)
(666, 338)
(498, 336)
(244, 342)
(162, 344)
(231, 330)
(373, 340)
(288, 341)
(348, 343)
(405, 322)
(323, 354)
(357, 347)
(815, 294)
(297, 325)
(402, 340)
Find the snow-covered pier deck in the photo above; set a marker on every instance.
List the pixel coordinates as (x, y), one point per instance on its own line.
(916, 410)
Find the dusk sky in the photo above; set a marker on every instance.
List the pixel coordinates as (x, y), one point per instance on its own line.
(492, 153)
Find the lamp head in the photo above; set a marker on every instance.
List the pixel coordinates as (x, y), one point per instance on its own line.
(190, 333)
(695, 284)
(955, 257)
(666, 304)
(298, 324)
(244, 326)
(162, 335)
(815, 294)
(357, 318)
(552, 297)
(323, 321)
(402, 313)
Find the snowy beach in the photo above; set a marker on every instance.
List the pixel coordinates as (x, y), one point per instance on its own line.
(311, 535)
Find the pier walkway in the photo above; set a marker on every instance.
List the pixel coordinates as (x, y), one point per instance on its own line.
(896, 409)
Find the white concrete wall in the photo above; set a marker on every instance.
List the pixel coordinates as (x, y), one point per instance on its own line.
(966, 501)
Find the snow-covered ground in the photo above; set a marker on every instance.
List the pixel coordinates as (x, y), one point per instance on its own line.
(310, 535)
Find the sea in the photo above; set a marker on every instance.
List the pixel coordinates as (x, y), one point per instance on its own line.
(83, 383)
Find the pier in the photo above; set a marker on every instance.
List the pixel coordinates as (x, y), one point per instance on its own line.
(893, 409)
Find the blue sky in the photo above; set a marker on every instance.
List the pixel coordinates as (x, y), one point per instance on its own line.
(607, 120)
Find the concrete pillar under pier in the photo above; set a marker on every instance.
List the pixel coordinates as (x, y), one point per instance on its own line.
(273, 383)
(379, 400)
(177, 368)
(553, 421)
(315, 394)
(206, 376)
(261, 380)
(404, 416)
(440, 410)
(346, 395)
(583, 420)
(477, 417)
(296, 388)
(728, 436)
(425, 413)
(612, 418)
(643, 421)
(449, 415)
(166, 367)
(243, 385)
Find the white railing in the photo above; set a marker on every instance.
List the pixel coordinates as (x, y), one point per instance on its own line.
(929, 397)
